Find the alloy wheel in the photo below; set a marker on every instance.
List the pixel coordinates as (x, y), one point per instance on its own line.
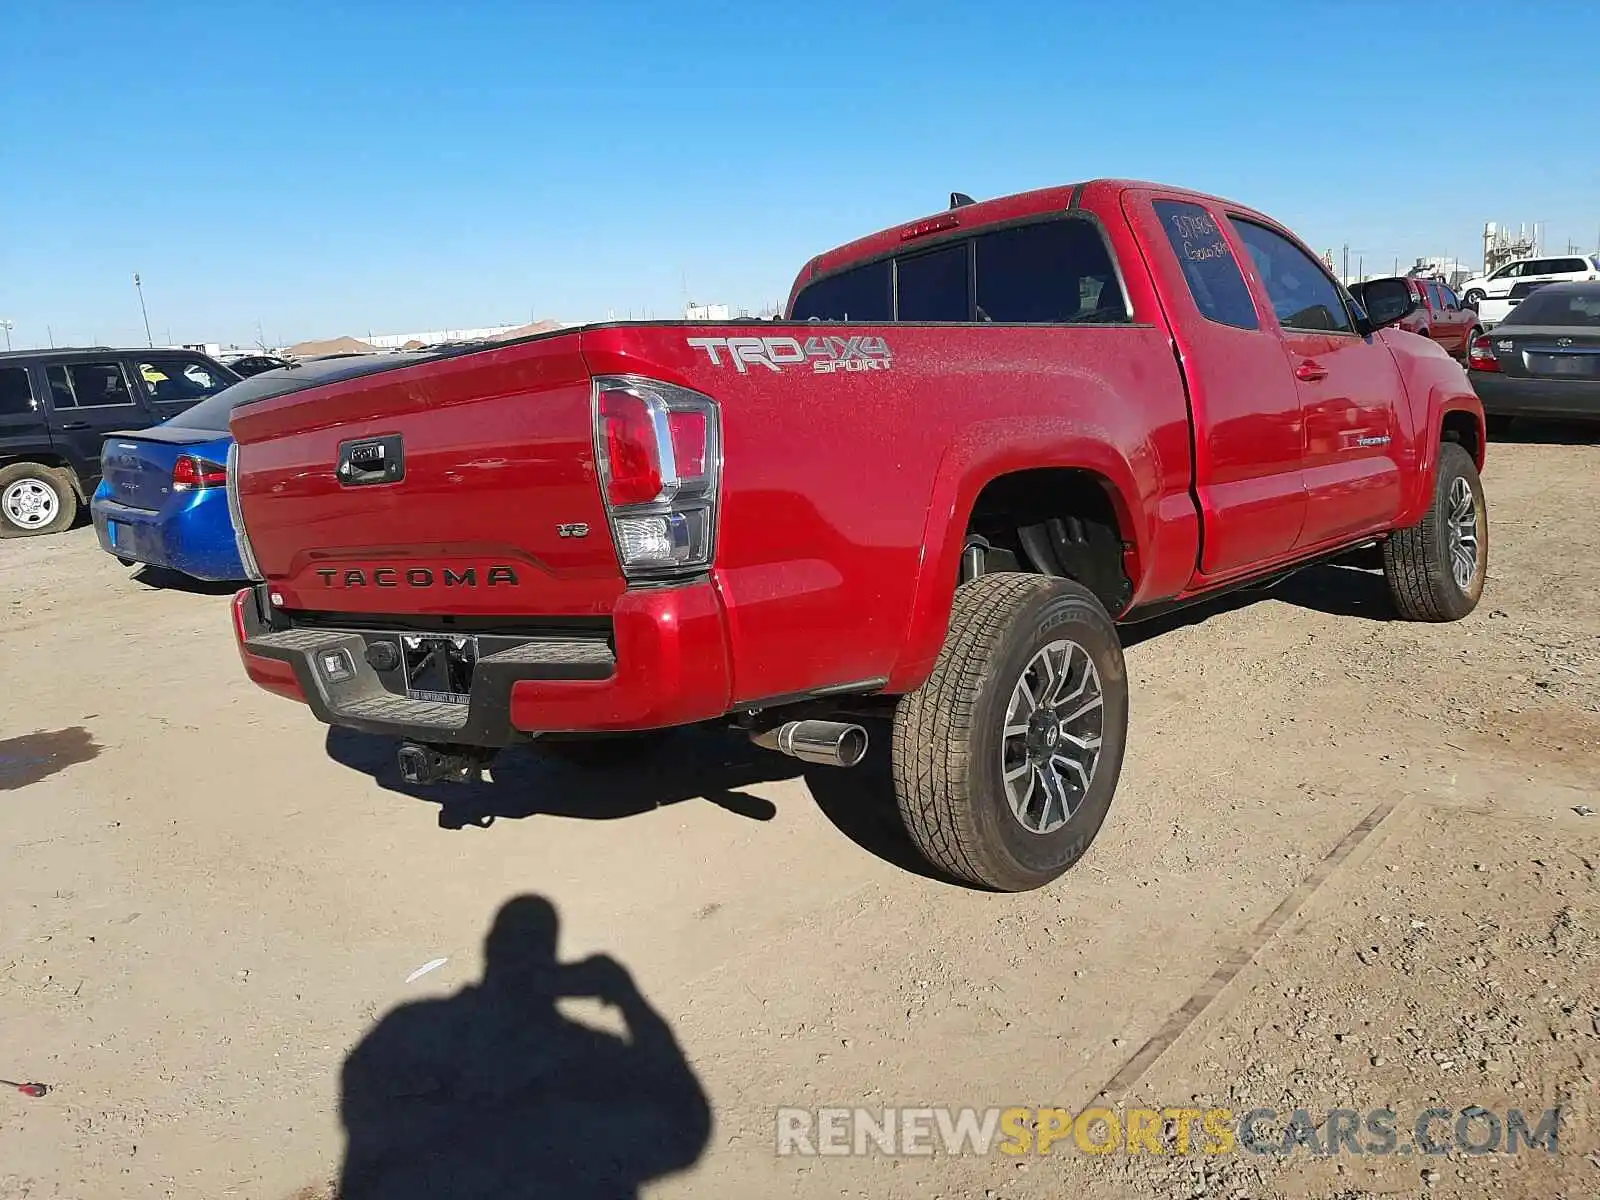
(1050, 744)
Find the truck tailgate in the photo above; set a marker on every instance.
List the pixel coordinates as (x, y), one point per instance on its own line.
(490, 507)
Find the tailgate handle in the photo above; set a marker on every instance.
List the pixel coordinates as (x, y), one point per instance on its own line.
(371, 460)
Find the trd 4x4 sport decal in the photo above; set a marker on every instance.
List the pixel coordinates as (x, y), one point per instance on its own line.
(825, 354)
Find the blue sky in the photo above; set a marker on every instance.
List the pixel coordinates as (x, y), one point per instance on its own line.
(355, 167)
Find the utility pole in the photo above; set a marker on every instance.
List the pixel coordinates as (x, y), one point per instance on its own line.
(7, 324)
(139, 287)
(1347, 262)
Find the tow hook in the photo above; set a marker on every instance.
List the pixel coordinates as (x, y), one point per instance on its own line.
(421, 763)
(831, 743)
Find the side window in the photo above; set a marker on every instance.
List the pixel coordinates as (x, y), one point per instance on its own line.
(179, 379)
(99, 384)
(933, 286)
(60, 388)
(1451, 300)
(1050, 273)
(16, 397)
(860, 294)
(1571, 266)
(1302, 295)
(1511, 272)
(1436, 297)
(1214, 278)
(1539, 266)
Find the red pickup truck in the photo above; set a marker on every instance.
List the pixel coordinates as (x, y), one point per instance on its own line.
(974, 444)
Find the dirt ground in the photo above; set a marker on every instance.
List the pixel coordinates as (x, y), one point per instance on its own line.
(1344, 869)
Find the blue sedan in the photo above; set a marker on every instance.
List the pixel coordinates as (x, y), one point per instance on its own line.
(162, 498)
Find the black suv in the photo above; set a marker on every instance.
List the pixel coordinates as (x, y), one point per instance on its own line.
(56, 406)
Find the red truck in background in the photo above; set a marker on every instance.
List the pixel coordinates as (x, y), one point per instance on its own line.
(974, 444)
(1436, 313)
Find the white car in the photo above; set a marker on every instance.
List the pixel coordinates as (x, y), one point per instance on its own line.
(1492, 294)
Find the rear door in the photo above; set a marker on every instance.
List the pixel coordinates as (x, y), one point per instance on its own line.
(1349, 386)
(174, 382)
(86, 400)
(1246, 408)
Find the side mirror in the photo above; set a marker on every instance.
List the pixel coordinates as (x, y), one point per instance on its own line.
(1388, 301)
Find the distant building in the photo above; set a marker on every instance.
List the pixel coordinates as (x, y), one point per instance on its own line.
(707, 312)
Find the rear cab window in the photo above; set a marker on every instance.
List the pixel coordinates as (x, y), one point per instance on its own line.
(933, 286)
(1048, 273)
(1215, 281)
(1057, 270)
(858, 294)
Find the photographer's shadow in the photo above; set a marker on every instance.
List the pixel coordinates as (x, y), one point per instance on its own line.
(493, 1092)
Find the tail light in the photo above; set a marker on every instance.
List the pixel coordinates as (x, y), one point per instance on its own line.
(247, 554)
(1480, 357)
(190, 472)
(660, 453)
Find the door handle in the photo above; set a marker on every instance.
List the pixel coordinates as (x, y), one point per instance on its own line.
(74, 425)
(1310, 371)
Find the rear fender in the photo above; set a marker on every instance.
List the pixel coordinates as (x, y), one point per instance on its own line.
(983, 453)
(1450, 400)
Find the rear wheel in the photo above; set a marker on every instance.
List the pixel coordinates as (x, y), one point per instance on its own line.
(1474, 297)
(1437, 567)
(35, 499)
(1006, 759)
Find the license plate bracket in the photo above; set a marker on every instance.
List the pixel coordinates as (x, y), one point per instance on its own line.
(439, 668)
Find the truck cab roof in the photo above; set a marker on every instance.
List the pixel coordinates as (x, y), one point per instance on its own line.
(965, 217)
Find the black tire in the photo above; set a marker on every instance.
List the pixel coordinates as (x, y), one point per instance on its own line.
(1418, 561)
(1473, 298)
(1497, 424)
(22, 487)
(591, 751)
(949, 748)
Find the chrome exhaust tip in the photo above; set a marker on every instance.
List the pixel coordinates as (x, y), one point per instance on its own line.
(827, 743)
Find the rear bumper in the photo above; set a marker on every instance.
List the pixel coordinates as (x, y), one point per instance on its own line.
(665, 664)
(1511, 396)
(196, 539)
